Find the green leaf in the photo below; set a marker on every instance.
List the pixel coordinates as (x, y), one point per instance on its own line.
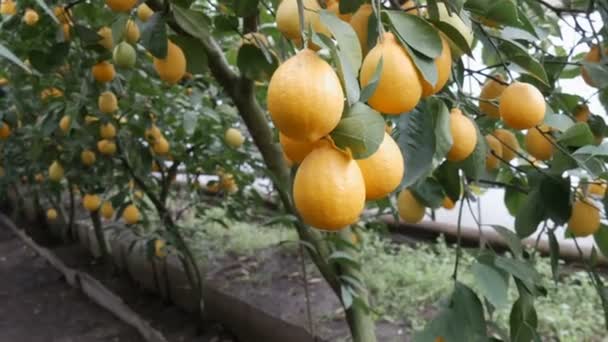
(524, 60)
(47, 61)
(370, 88)
(597, 72)
(518, 269)
(350, 6)
(154, 36)
(425, 65)
(523, 320)
(417, 142)
(558, 121)
(196, 58)
(245, 8)
(555, 196)
(48, 11)
(511, 239)
(601, 239)
(492, 283)
(253, 64)
(468, 308)
(86, 35)
(578, 135)
(514, 199)
(8, 54)
(443, 133)
(418, 33)
(474, 166)
(193, 22)
(345, 35)
(429, 192)
(554, 251)
(361, 130)
(530, 214)
(455, 36)
(448, 177)
(119, 27)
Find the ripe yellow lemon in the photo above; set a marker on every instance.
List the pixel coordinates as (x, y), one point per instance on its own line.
(121, 5)
(448, 203)
(50, 92)
(444, 70)
(597, 188)
(464, 136)
(106, 147)
(107, 102)
(51, 214)
(295, 150)
(383, 170)
(234, 138)
(91, 202)
(522, 106)
(581, 113)
(144, 12)
(107, 210)
(152, 133)
(329, 189)
(39, 177)
(172, 68)
(107, 131)
(132, 33)
(103, 72)
(360, 23)
(64, 123)
(87, 157)
(62, 15)
(30, 17)
(55, 171)
(410, 209)
(106, 37)
(538, 144)
(592, 56)
(585, 218)
(399, 88)
(333, 6)
(5, 130)
(451, 18)
(159, 248)
(161, 146)
(509, 142)
(494, 150)
(288, 19)
(491, 91)
(305, 118)
(8, 7)
(131, 214)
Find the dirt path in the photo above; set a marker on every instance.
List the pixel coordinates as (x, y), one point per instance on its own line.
(36, 304)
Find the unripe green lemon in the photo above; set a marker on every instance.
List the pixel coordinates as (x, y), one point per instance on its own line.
(124, 55)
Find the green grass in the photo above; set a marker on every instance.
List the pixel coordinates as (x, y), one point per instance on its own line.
(406, 281)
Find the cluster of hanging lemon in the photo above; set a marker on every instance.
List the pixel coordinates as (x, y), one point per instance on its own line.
(306, 101)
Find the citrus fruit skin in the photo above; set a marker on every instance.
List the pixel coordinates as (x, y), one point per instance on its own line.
(50, 92)
(107, 131)
(464, 136)
(329, 189)
(334, 7)
(592, 56)
(62, 15)
(172, 68)
(410, 210)
(585, 218)
(103, 72)
(581, 113)
(399, 89)
(87, 157)
(144, 12)
(522, 106)
(509, 142)
(288, 21)
(106, 37)
(454, 20)
(159, 248)
(234, 138)
(107, 210)
(64, 123)
(597, 188)
(131, 214)
(295, 150)
(56, 171)
(132, 33)
(152, 133)
(161, 146)
(51, 214)
(31, 17)
(360, 23)
(5, 130)
(91, 202)
(538, 144)
(8, 7)
(491, 91)
(383, 170)
(124, 55)
(448, 203)
(106, 147)
(410, 7)
(494, 149)
(305, 118)
(107, 102)
(121, 5)
(444, 70)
